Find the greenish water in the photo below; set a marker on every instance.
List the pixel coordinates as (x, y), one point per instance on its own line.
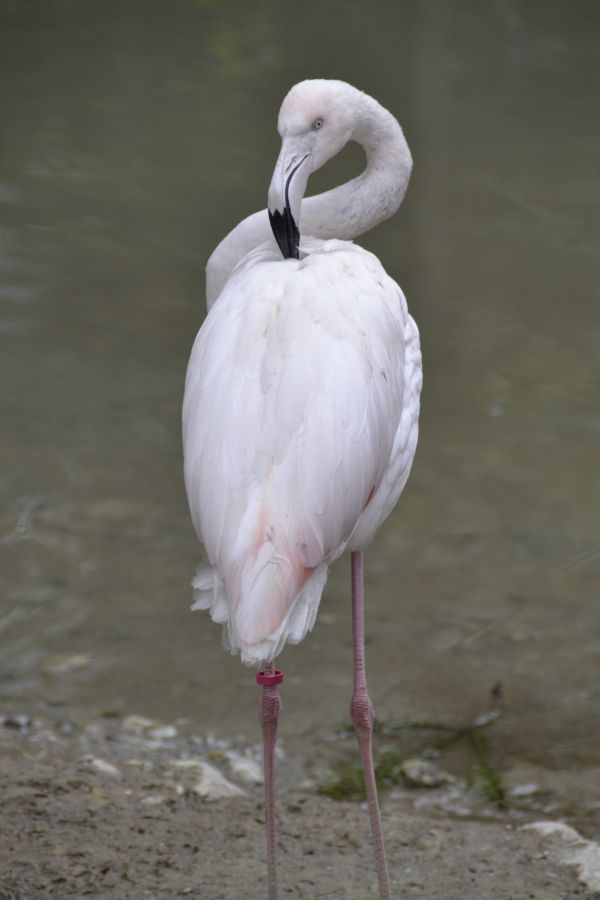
(135, 135)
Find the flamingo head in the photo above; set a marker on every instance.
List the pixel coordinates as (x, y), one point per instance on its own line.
(316, 120)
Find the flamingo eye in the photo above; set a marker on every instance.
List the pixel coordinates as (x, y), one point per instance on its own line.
(318, 123)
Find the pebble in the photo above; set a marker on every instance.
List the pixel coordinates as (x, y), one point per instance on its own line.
(65, 662)
(137, 724)
(568, 847)
(245, 767)
(210, 783)
(100, 765)
(241, 765)
(162, 732)
(422, 773)
(141, 763)
(525, 790)
(20, 722)
(153, 800)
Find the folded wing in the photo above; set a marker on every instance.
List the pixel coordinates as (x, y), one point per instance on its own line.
(292, 410)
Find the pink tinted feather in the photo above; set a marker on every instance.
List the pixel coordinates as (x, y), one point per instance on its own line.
(292, 414)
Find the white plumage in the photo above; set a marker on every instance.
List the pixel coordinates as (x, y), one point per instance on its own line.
(300, 425)
(300, 412)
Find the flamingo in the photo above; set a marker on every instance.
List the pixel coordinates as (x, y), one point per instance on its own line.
(300, 414)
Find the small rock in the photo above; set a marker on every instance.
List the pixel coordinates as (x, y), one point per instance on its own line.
(153, 800)
(210, 783)
(66, 728)
(112, 713)
(525, 790)
(422, 773)
(19, 723)
(244, 767)
(65, 662)
(162, 732)
(141, 763)
(100, 765)
(188, 763)
(567, 846)
(137, 724)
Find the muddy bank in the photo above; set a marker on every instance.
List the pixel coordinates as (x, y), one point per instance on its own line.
(127, 808)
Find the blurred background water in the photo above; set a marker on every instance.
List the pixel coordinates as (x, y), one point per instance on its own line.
(134, 136)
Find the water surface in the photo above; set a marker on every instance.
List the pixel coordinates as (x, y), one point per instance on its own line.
(135, 136)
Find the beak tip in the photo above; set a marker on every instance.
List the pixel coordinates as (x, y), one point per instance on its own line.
(286, 232)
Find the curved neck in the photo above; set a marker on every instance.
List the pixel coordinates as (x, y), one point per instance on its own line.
(343, 212)
(358, 205)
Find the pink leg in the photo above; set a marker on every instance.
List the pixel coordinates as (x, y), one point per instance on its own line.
(361, 711)
(268, 716)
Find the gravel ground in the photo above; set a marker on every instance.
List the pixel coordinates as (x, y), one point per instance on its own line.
(130, 809)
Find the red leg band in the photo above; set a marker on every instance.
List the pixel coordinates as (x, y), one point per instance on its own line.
(269, 678)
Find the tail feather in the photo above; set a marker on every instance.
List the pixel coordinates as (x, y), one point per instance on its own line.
(209, 593)
(297, 622)
(265, 594)
(289, 621)
(270, 581)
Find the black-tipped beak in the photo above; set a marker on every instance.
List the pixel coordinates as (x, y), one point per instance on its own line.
(285, 198)
(286, 232)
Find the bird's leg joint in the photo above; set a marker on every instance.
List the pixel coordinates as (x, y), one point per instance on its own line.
(361, 711)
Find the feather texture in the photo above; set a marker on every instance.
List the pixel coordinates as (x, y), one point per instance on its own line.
(299, 429)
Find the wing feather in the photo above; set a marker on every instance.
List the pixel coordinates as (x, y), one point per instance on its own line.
(292, 421)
